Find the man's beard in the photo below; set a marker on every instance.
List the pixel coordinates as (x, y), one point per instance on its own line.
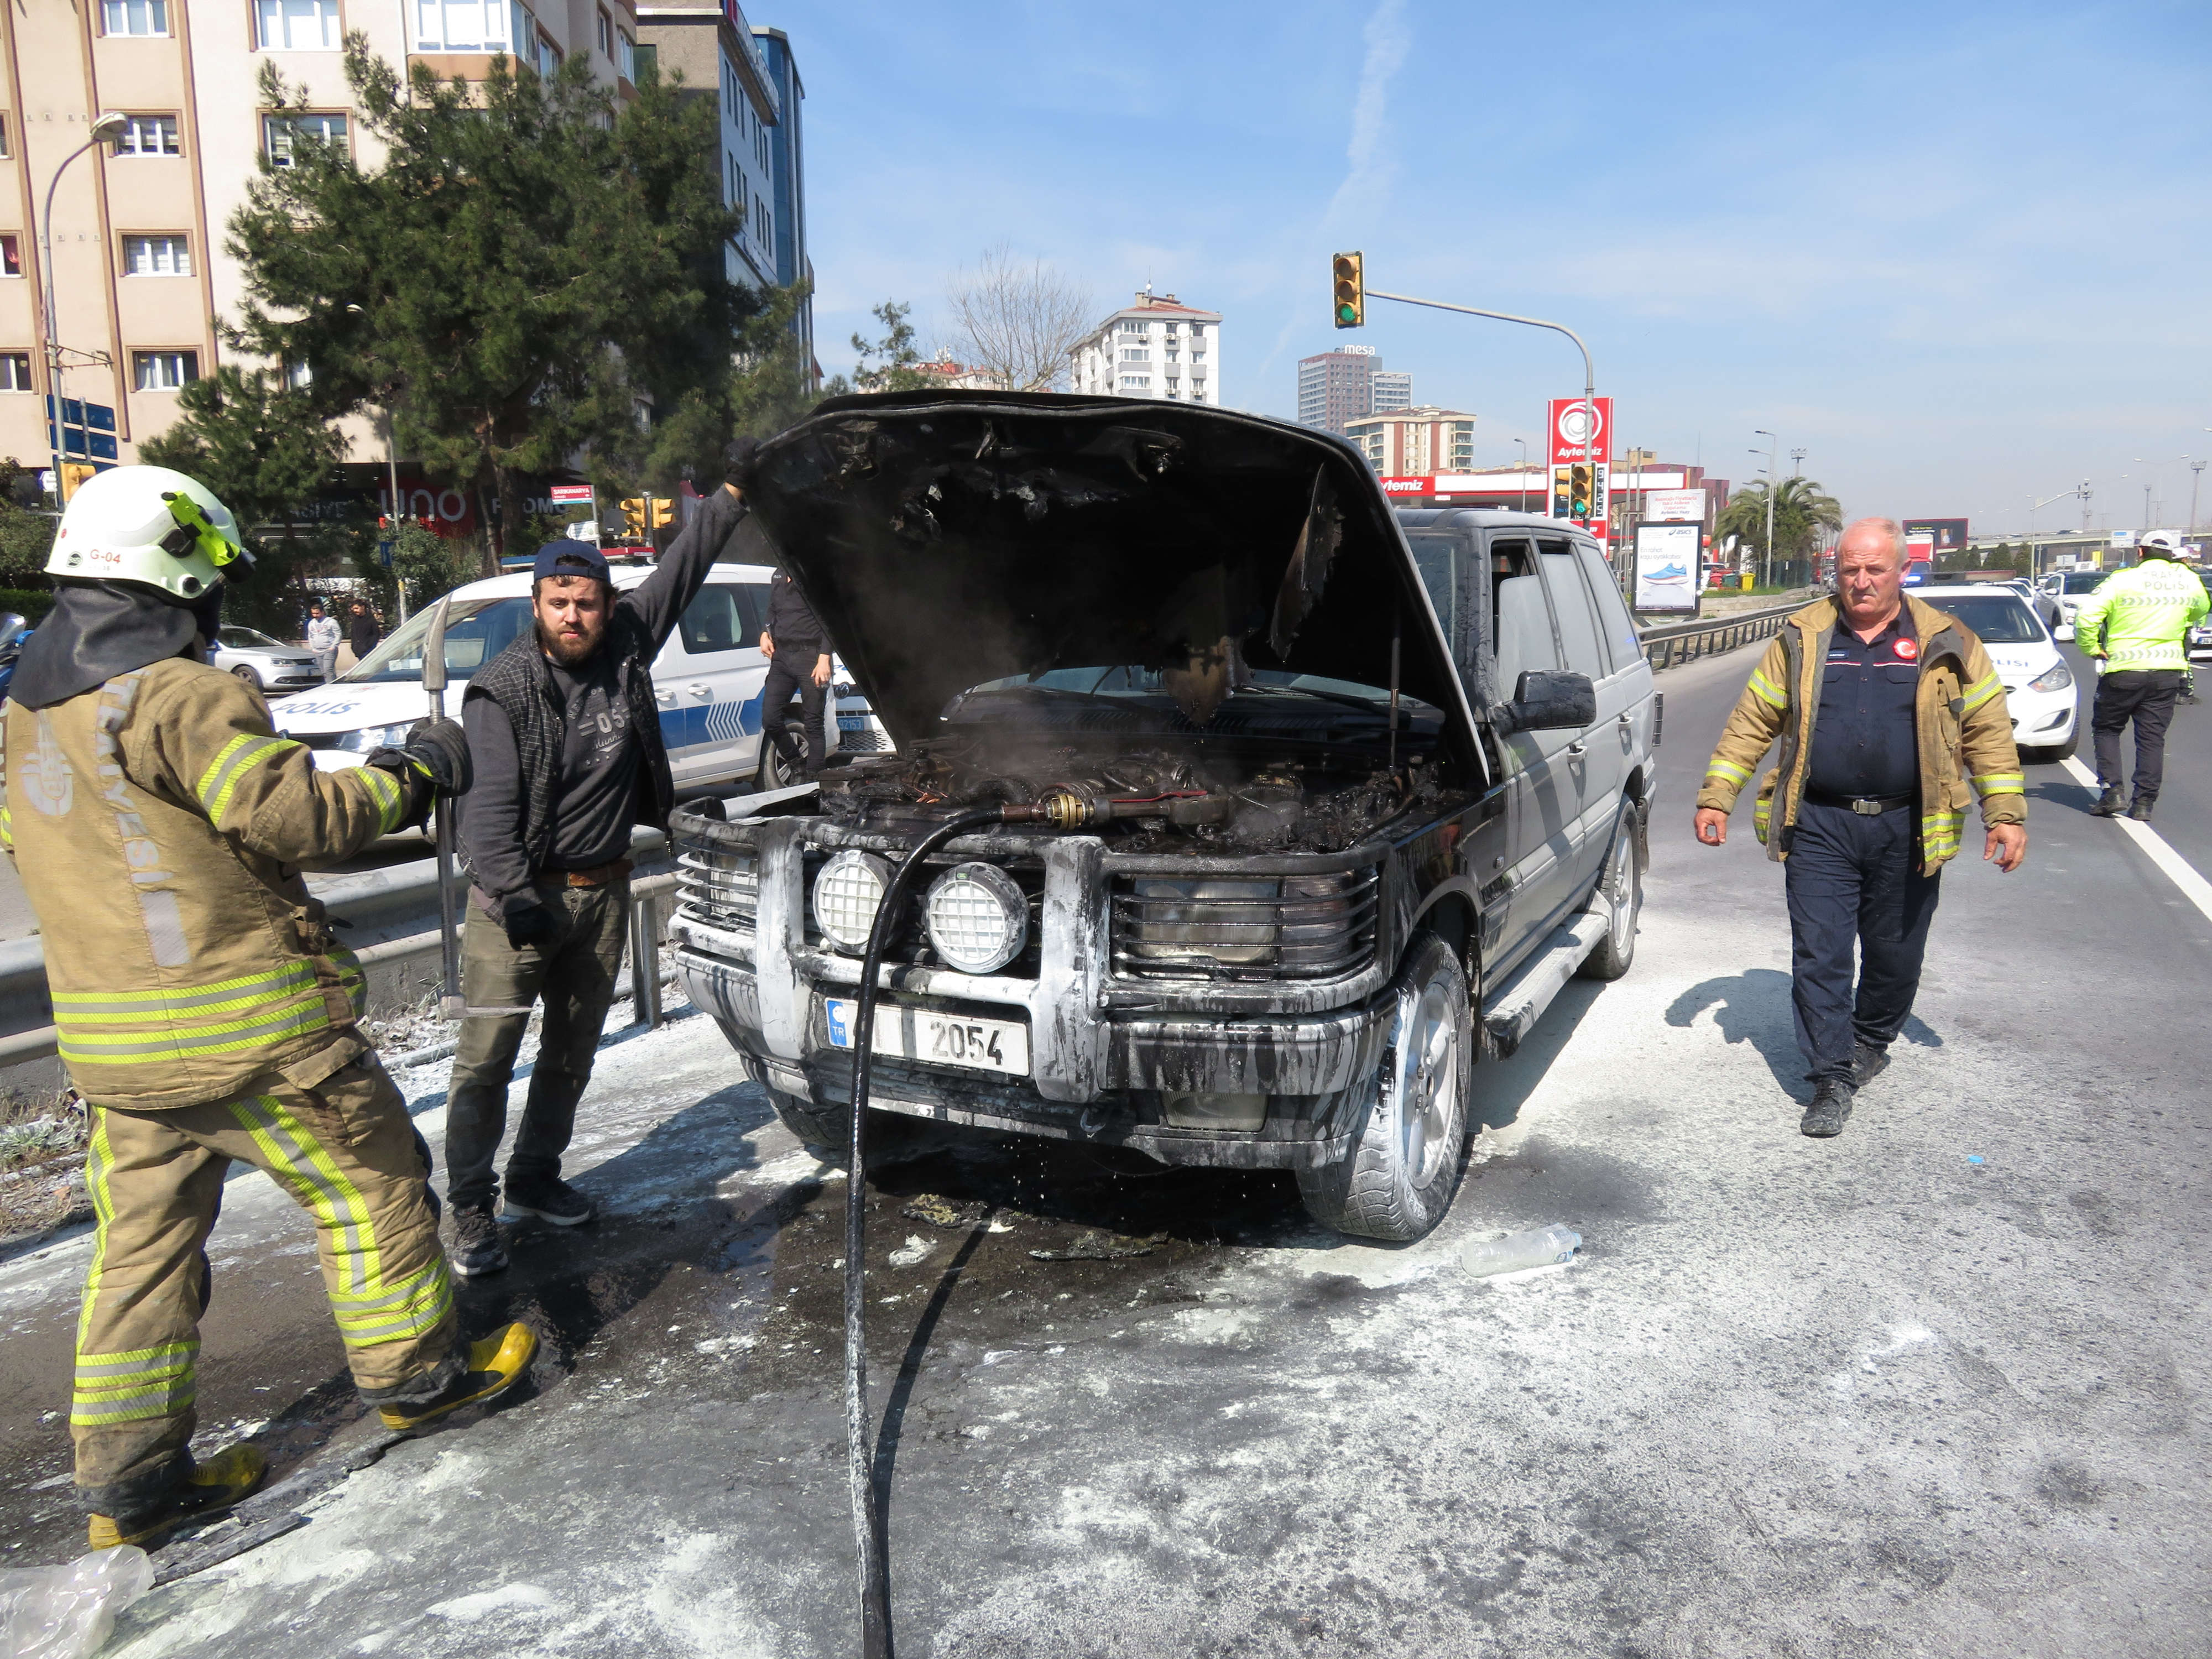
(568, 655)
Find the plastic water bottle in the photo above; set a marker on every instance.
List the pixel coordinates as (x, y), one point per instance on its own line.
(1539, 1247)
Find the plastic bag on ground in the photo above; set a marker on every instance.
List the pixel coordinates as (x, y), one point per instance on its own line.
(66, 1613)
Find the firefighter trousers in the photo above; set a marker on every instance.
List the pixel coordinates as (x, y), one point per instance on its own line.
(347, 1153)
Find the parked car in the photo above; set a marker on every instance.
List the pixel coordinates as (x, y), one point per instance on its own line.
(260, 661)
(2046, 605)
(2067, 586)
(2200, 637)
(2039, 688)
(707, 677)
(1374, 784)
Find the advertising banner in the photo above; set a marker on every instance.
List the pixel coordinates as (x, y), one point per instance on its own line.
(1409, 486)
(1666, 568)
(1674, 506)
(1947, 535)
(1565, 421)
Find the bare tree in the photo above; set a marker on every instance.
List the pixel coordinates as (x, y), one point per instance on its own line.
(1018, 323)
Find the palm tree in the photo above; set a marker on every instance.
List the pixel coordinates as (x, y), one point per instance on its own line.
(1802, 511)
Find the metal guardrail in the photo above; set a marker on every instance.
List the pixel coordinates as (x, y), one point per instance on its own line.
(1671, 644)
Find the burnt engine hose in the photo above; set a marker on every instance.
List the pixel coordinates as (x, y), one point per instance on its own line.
(869, 1542)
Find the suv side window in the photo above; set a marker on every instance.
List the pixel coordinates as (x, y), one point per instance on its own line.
(1613, 621)
(1521, 622)
(1577, 619)
(720, 619)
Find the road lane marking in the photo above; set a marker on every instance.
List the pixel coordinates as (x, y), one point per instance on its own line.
(2178, 870)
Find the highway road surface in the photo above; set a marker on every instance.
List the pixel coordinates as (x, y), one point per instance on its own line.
(1933, 1387)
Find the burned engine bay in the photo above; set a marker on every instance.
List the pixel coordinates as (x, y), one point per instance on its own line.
(1160, 798)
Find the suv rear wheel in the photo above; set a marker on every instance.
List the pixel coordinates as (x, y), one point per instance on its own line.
(1619, 898)
(1404, 1166)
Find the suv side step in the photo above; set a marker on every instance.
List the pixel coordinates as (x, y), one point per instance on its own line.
(1511, 1011)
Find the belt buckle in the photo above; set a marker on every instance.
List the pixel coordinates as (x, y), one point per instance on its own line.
(1867, 809)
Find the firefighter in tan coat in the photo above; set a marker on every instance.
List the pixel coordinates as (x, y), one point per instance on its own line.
(204, 1009)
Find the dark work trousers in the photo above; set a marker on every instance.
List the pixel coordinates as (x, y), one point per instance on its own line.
(1851, 881)
(575, 977)
(788, 670)
(2145, 695)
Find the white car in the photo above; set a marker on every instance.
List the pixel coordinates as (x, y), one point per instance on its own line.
(2040, 689)
(708, 678)
(2069, 587)
(260, 661)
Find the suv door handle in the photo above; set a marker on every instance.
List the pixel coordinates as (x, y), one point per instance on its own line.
(1577, 748)
(664, 696)
(1627, 721)
(699, 689)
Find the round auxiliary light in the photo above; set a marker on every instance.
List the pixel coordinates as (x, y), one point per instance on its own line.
(979, 919)
(846, 894)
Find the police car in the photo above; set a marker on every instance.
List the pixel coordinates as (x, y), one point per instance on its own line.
(708, 678)
(2040, 689)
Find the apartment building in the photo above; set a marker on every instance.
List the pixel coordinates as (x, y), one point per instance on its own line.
(1156, 347)
(1344, 384)
(139, 276)
(1413, 442)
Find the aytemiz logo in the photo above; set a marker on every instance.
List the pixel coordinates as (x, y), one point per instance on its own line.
(1908, 650)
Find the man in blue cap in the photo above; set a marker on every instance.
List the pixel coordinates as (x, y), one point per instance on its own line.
(564, 733)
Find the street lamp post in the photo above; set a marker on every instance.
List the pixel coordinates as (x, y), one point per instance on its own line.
(107, 127)
(1523, 442)
(2195, 476)
(1797, 462)
(1773, 463)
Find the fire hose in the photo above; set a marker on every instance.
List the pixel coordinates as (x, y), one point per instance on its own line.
(1060, 809)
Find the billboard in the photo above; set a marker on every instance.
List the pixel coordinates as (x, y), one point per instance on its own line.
(1666, 568)
(1563, 420)
(1945, 535)
(1674, 506)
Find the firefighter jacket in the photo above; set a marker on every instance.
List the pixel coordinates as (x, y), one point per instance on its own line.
(2144, 614)
(1959, 720)
(159, 825)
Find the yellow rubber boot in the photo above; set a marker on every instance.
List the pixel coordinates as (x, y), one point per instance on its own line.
(496, 1364)
(232, 1475)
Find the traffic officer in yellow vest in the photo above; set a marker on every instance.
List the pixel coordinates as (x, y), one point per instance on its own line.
(204, 1009)
(1886, 709)
(2135, 625)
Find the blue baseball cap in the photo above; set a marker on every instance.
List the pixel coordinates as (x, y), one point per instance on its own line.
(569, 558)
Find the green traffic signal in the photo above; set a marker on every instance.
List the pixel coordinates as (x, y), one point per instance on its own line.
(1349, 272)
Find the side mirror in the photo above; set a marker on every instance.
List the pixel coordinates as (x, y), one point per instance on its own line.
(1549, 700)
(11, 625)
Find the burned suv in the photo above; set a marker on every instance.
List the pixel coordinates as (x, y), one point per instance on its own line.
(1302, 804)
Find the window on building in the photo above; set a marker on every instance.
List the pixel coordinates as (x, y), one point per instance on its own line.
(733, 194)
(163, 371)
(760, 143)
(298, 376)
(606, 35)
(15, 371)
(1196, 396)
(626, 57)
(763, 222)
(460, 25)
(1136, 382)
(149, 135)
(1136, 354)
(11, 257)
(298, 25)
(5, 151)
(645, 60)
(1132, 327)
(134, 17)
(281, 134)
(157, 256)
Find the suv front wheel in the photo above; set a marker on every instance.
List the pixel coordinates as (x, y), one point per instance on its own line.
(1404, 1165)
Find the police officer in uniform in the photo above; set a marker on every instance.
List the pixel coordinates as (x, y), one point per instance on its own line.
(796, 647)
(1870, 692)
(2136, 626)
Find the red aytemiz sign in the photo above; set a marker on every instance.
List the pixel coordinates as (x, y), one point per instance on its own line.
(1565, 421)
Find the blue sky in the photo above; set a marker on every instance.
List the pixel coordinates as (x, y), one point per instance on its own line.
(1956, 253)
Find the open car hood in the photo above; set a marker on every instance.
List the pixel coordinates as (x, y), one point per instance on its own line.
(947, 538)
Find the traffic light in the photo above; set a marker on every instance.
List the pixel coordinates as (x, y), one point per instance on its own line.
(664, 512)
(1350, 273)
(71, 475)
(634, 516)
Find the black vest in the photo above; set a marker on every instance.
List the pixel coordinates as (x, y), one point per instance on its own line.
(520, 681)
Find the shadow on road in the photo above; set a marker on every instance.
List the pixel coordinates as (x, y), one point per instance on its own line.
(1754, 1006)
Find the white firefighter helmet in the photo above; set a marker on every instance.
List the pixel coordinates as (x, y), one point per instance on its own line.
(148, 525)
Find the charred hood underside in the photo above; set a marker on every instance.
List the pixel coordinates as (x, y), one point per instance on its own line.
(947, 539)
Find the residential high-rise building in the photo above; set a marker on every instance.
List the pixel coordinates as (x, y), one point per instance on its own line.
(141, 279)
(1156, 347)
(1413, 442)
(1347, 383)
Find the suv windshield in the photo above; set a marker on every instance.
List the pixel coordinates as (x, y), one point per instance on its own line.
(1999, 619)
(1269, 698)
(476, 630)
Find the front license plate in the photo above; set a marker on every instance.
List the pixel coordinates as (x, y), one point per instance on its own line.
(982, 1045)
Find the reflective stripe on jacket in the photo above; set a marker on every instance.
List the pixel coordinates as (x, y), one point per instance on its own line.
(2145, 615)
(1959, 720)
(158, 824)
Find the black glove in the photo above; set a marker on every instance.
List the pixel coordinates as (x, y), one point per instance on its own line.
(528, 921)
(436, 750)
(737, 462)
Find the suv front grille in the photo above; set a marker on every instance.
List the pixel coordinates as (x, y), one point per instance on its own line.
(720, 886)
(1236, 928)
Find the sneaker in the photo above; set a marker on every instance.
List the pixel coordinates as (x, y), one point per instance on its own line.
(2109, 804)
(1867, 1063)
(550, 1200)
(496, 1364)
(2140, 811)
(478, 1246)
(232, 1475)
(1832, 1104)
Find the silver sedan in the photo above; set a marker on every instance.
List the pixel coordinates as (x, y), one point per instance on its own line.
(270, 664)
